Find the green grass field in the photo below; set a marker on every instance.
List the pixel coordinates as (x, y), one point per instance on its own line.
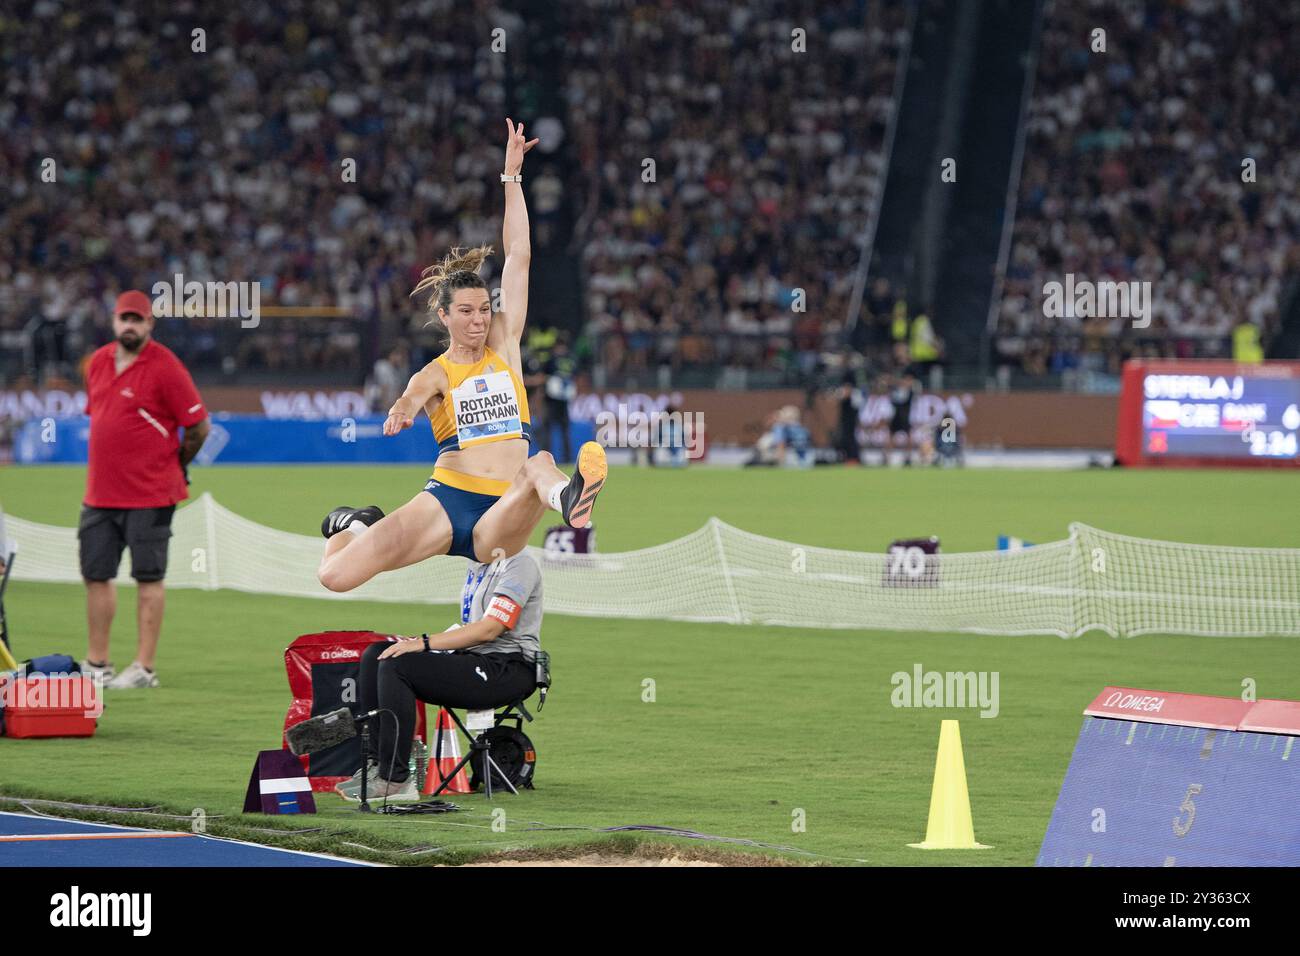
(749, 724)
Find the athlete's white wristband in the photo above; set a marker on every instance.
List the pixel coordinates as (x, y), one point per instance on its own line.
(516, 178)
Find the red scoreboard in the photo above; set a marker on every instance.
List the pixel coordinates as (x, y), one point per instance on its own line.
(1208, 413)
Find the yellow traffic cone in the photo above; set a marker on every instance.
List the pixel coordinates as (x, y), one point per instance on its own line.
(950, 826)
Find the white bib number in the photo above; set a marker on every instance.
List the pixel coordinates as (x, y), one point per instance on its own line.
(486, 409)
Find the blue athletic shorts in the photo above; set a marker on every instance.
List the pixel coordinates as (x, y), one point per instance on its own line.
(464, 508)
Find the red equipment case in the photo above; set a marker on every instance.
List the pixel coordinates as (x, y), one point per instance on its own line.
(55, 706)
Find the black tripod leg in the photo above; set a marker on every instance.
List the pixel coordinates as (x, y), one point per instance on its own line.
(365, 766)
(493, 765)
(446, 781)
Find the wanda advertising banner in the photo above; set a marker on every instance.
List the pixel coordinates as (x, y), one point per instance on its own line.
(1047, 420)
(298, 405)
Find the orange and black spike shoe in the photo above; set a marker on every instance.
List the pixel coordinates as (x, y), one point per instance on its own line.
(579, 496)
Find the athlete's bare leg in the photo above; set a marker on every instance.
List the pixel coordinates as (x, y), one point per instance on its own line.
(419, 529)
(505, 528)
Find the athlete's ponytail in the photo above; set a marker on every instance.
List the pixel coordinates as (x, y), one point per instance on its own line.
(459, 270)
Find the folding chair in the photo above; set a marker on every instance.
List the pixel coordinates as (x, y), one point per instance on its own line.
(514, 749)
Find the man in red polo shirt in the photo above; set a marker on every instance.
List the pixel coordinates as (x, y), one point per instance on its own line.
(137, 394)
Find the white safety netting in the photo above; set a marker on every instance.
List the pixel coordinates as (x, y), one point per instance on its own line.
(1092, 580)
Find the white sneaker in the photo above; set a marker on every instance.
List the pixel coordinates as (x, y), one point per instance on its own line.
(101, 675)
(354, 782)
(133, 677)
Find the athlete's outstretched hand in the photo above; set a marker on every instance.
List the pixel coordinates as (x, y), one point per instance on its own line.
(516, 146)
(397, 420)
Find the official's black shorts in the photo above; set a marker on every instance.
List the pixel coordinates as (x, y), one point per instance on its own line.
(104, 532)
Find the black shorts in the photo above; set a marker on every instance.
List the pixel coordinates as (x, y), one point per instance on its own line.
(104, 532)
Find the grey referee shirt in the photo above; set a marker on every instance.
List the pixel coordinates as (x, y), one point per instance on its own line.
(520, 580)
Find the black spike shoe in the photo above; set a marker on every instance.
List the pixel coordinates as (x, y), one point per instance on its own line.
(338, 519)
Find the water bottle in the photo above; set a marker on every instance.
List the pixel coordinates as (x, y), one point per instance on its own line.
(419, 762)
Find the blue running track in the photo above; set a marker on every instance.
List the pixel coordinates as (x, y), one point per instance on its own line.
(27, 840)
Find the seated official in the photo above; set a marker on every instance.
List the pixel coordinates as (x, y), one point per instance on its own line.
(487, 661)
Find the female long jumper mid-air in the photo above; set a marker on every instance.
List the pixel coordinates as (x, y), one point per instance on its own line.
(486, 495)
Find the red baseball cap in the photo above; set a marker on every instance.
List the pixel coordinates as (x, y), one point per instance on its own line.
(133, 301)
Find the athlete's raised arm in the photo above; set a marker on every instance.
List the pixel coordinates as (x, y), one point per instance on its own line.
(515, 242)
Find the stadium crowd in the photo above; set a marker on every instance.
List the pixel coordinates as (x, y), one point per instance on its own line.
(138, 150)
(223, 157)
(1133, 170)
(766, 162)
(229, 163)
